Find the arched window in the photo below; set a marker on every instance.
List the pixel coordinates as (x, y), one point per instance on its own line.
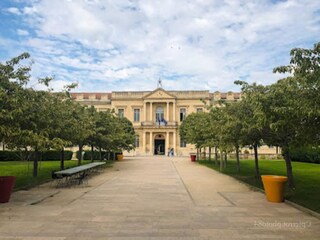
(159, 114)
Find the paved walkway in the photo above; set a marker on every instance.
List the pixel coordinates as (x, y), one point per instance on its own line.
(152, 198)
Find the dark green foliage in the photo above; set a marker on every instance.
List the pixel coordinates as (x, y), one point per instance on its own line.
(20, 155)
(305, 154)
(55, 155)
(9, 155)
(96, 155)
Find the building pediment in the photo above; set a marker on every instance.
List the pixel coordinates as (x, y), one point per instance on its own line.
(159, 93)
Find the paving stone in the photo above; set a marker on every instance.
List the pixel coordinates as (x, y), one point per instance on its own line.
(152, 198)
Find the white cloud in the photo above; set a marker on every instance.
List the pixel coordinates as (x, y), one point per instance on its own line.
(30, 10)
(13, 10)
(203, 44)
(22, 32)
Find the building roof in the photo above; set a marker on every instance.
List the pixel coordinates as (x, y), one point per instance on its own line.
(143, 94)
(86, 95)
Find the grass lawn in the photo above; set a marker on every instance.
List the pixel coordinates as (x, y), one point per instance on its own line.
(306, 176)
(23, 171)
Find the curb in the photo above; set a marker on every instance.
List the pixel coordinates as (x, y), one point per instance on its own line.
(303, 209)
(292, 204)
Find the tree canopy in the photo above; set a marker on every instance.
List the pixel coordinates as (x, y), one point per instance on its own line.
(284, 114)
(40, 120)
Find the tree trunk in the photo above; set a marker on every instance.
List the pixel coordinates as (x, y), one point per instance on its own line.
(36, 162)
(221, 161)
(216, 156)
(62, 159)
(256, 162)
(238, 158)
(114, 156)
(26, 154)
(108, 156)
(198, 154)
(210, 153)
(80, 154)
(91, 153)
(287, 158)
(225, 159)
(100, 154)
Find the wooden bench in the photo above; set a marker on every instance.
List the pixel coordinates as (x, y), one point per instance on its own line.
(75, 175)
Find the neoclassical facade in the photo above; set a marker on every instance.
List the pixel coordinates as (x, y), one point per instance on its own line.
(155, 115)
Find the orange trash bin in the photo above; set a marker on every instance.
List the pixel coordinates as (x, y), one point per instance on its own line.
(274, 187)
(120, 157)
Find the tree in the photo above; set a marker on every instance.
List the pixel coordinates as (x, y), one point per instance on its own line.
(293, 104)
(253, 117)
(233, 127)
(61, 125)
(25, 120)
(91, 139)
(214, 133)
(35, 124)
(124, 135)
(82, 126)
(194, 129)
(305, 67)
(13, 76)
(283, 118)
(104, 131)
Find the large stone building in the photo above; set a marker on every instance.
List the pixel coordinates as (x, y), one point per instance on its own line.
(156, 115)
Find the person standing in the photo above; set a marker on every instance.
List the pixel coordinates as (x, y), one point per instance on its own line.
(172, 152)
(169, 151)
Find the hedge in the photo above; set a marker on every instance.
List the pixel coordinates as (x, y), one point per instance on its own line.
(96, 155)
(55, 155)
(46, 156)
(305, 154)
(10, 155)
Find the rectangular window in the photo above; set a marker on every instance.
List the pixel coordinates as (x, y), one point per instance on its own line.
(121, 112)
(183, 143)
(136, 141)
(182, 114)
(199, 110)
(136, 115)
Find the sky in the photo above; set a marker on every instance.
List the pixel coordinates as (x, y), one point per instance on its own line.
(128, 45)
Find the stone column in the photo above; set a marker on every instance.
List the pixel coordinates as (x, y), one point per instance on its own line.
(145, 111)
(168, 104)
(174, 111)
(151, 143)
(151, 120)
(167, 142)
(144, 135)
(174, 142)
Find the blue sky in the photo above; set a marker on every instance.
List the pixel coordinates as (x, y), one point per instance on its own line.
(115, 45)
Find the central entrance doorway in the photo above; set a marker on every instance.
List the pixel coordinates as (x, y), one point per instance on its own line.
(159, 147)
